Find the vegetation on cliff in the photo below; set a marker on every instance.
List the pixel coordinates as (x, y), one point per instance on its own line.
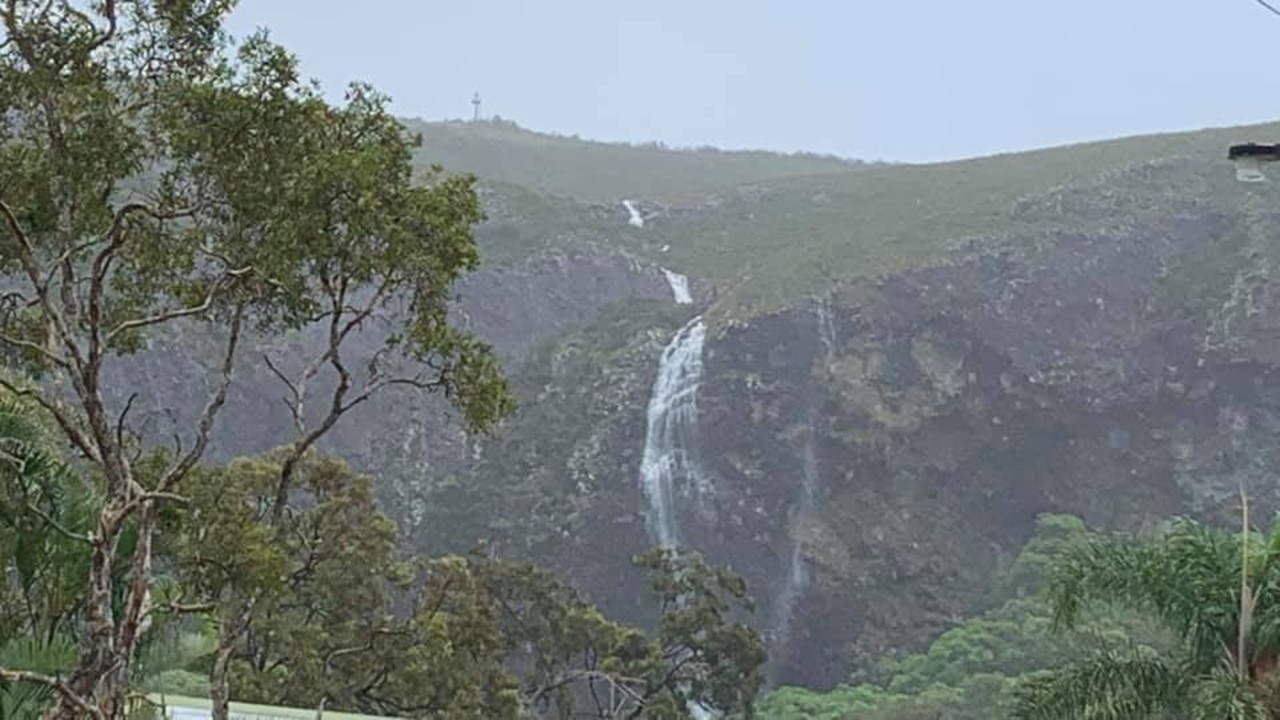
(975, 670)
(770, 240)
(605, 172)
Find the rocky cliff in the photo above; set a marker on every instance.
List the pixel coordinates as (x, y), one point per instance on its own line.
(898, 375)
(1123, 373)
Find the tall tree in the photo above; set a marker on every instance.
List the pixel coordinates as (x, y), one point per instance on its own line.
(151, 175)
(1218, 593)
(304, 607)
(572, 662)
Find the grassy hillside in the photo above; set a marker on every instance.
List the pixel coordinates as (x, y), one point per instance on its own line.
(522, 223)
(807, 234)
(766, 235)
(767, 246)
(597, 171)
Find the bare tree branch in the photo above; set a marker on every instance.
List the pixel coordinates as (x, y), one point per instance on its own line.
(373, 388)
(60, 414)
(1268, 6)
(103, 36)
(618, 682)
(12, 676)
(217, 286)
(216, 401)
(176, 608)
(128, 405)
(295, 405)
(35, 275)
(51, 522)
(145, 497)
(37, 348)
(67, 255)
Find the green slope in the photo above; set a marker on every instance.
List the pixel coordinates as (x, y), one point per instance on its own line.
(769, 242)
(767, 246)
(597, 171)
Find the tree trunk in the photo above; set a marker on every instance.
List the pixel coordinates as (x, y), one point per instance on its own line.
(100, 678)
(230, 628)
(220, 685)
(219, 675)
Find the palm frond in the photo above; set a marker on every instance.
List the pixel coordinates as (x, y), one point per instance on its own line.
(1221, 696)
(1188, 579)
(25, 700)
(46, 511)
(1121, 685)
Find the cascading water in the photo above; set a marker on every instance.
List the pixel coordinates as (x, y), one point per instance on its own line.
(797, 579)
(670, 444)
(679, 287)
(635, 219)
(671, 438)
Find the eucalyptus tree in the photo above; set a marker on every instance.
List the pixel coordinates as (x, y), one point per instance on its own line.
(155, 175)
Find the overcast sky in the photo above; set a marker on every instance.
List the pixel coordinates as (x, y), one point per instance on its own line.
(874, 79)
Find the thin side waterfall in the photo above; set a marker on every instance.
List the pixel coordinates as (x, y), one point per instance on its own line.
(636, 219)
(797, 580)
(670, 443)
(679, 287)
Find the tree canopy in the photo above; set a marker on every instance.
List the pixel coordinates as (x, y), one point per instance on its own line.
(154, 175)
(1218, 593)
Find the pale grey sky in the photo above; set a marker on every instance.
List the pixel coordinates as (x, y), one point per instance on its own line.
(874, 79)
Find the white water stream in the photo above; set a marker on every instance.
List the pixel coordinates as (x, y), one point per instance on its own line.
(636, 219)
(810, 485)
(679, 287)
(670, 445)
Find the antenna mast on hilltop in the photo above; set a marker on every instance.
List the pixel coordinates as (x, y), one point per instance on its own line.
(475, 101)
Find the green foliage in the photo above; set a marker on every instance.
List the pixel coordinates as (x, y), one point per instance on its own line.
(597, 171)
(570, 661)
(307, 596)
(720, 660)
(153, 176)
(44, 655)
(318, 608)
(973, 671)
(1217, 593)
(46, 513)
(781, 238)
(178, 682)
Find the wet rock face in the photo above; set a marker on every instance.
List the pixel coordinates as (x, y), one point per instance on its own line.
(962, 401)
(1124, 376)
(512, 307)
(515, 307)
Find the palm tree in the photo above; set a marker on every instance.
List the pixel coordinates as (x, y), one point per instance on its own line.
(45, 512)
(25, 700)
(1219, 595)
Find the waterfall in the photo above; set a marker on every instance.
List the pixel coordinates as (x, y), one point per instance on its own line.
(635, 219)
(670, 443)
(797, 579)
(679, 287)
(671, 435)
